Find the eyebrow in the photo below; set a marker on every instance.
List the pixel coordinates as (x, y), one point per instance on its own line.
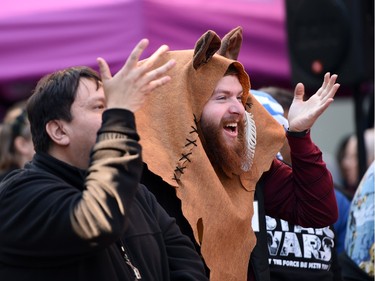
(97, 99)
(226, 92)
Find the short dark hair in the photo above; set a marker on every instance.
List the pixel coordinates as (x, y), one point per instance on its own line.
(52, 99)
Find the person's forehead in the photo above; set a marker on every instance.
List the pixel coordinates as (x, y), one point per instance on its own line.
(87, 91)
(228, 81)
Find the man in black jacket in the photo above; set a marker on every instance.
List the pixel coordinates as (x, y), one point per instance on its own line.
(77, 211)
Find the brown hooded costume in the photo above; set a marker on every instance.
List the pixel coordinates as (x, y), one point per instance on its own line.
(218, 207)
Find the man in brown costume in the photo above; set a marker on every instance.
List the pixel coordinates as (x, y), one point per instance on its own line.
(216, 201)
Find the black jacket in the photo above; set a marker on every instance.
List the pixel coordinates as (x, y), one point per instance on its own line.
(62, 223)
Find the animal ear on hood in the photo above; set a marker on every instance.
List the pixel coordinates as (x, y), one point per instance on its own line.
(205, 48)
(231, 44)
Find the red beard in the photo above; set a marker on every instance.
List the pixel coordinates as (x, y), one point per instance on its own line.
(228, 157)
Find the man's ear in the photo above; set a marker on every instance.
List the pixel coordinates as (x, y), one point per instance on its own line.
(205, 48)
(231, 44)
(55, 130)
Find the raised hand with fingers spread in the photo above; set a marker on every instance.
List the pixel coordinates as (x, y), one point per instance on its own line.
(134, 81)
(303, 114)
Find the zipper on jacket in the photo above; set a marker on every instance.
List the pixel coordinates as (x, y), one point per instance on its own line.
(136, 272)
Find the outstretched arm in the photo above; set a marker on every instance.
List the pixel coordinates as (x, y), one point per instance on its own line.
(303, 114)
(305, 194)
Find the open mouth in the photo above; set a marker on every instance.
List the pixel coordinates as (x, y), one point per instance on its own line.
(231, 128)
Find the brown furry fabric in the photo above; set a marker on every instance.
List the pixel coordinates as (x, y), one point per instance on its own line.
(219, 208)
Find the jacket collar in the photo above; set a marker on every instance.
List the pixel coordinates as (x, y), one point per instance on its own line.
(70, 174)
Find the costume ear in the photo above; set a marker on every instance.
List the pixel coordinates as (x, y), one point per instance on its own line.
(205, 48)
(231, 44)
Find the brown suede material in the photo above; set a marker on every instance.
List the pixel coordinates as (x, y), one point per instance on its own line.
(219, 208)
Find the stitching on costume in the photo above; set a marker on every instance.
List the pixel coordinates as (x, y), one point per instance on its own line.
(248, 105)
(180, 169)
(185, 156)
(189, 142)
(194, 130)
(181, 165)
(175, 178)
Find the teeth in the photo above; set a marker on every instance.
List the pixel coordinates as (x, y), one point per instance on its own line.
(234, 125)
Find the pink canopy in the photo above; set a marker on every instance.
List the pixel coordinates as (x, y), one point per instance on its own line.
(40, 36)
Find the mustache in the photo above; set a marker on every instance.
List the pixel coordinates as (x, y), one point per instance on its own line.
(232, 119)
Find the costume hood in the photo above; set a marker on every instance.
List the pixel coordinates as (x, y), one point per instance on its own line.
(219, 208)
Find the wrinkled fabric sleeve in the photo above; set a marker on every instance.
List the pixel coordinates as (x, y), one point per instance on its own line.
(112, 180)
(304, 194)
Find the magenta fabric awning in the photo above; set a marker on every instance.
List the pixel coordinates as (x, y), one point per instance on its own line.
(40, 36)
(264, 51)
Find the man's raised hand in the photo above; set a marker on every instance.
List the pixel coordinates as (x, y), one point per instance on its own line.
(303, 114)
(129, 87)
